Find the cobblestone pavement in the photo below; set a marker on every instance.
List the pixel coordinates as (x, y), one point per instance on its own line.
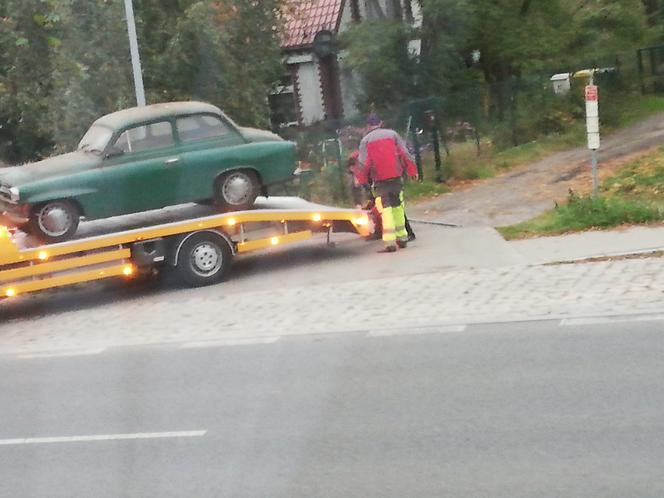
(409, 301)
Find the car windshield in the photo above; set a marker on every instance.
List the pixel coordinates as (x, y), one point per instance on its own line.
(96, 139)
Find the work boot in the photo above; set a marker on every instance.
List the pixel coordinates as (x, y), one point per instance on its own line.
(389, 249)
(411, 237)
(373, 236)
(402, 244)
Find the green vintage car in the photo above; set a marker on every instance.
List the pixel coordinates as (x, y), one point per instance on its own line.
(146, 158)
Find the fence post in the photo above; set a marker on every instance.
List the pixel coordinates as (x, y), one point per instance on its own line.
(418, 156)
(342, 181)
(435, 138)
(639, 58)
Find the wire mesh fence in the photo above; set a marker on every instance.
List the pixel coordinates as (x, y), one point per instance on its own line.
(499, 116)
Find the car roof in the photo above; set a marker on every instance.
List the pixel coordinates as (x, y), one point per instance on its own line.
(128, 117)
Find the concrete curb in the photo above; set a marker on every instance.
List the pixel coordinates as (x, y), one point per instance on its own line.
(582, 259)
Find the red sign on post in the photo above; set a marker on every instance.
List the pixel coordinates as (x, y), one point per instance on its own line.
(591, 93)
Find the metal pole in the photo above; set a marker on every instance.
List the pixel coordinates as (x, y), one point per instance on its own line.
(593, 160)
(435, 138)
(418, 155)
(342, 175)
(135, 56)
(639, 58)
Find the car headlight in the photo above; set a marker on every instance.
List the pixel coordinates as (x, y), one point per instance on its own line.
(15, 194)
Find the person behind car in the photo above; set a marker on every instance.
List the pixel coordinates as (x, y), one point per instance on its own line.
(384, 159)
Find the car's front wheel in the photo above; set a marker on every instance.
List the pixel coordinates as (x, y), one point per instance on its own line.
(236, 190)
(54, 221)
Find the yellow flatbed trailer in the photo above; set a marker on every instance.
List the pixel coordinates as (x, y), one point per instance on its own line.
(199, 250)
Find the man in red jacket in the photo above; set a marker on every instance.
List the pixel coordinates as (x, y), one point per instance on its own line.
(384, 158)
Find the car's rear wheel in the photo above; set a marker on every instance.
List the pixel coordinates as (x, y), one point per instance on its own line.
(236, 190)
(54, 221)
(203, 259)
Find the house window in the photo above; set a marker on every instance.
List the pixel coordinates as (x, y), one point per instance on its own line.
(282, 102)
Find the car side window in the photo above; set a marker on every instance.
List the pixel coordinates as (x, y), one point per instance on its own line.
(146, 137)
(201, 127)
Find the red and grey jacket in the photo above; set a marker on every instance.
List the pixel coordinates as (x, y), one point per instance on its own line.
(384, 156)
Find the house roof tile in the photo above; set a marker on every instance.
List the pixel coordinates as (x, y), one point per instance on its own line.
(305, 18)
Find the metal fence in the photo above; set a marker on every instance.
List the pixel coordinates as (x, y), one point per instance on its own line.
(505, 114)
(650, 62)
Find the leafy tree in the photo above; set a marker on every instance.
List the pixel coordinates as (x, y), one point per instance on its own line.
(91, 67)
(225, 52)
(514, 37)
(27, 36)
(378, 52)
(66, 62)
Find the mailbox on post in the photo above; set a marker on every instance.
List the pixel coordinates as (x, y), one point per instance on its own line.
(561, 83)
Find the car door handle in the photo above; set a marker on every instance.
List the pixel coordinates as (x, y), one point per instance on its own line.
(172, 160)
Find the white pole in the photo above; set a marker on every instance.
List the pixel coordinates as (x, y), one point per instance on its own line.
(593, 163)
(593, 153)
(135, 56)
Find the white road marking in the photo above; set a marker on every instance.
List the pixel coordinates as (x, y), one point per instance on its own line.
(568, 322)
(61, 354)
(445, 329)
(228, 342)
(100, 437)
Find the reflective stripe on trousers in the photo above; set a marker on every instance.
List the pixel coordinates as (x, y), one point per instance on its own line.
(389, 201)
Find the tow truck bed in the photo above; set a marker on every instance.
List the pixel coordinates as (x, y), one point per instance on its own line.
(199, 248)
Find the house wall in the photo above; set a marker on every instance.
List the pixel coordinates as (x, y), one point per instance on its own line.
(307, 71)
(417, 13)
(311, 100)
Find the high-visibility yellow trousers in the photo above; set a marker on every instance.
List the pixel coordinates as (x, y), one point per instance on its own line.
(389, 201)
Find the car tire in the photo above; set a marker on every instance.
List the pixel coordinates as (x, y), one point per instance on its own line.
(236, 190)
(203, 259)
(54, 221)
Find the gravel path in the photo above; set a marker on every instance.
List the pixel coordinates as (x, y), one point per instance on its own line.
(526, 192)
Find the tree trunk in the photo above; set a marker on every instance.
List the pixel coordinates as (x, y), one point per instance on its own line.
(408, 11)
(652, 11)
(396, 10)
(377, 9)
(355, 11)
(525, 6)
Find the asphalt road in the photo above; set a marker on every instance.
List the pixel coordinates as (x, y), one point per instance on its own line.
(529, 409)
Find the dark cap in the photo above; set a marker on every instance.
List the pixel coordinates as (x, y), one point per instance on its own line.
(373, 119)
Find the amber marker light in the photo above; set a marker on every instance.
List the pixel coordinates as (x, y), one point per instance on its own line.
(275, 241)
(10, 292)
(362, 221)
(317, 217)
(128, 271)
(231, 222)
(43, 255)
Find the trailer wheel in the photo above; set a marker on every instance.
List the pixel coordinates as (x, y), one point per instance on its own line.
(203, 259)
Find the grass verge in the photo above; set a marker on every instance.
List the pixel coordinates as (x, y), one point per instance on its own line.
(424, 189)
(634, 195)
